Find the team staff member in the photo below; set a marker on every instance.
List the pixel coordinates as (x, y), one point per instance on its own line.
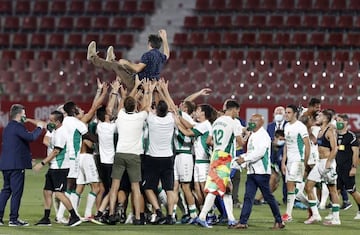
(15, 158)
(347, 159)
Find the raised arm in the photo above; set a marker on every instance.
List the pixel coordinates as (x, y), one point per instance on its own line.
(164, 86)
(202, 92)
(97, 102)
(136, 86)
(148, 92)
(163, 35)
(113, 96)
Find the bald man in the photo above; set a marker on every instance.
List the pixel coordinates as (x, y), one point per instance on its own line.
(257, 160)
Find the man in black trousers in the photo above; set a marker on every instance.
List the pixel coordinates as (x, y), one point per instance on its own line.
(15, 158)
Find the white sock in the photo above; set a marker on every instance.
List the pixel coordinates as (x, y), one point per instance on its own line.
(174, 211)
(314, 208)
(89, 204)
(228, 202)
(324, 195)
(301, 197)
(335, 211)
(163, 198)
(209, 202)
(192, 210)
(74, 198)
(61, 210)
(290, 203)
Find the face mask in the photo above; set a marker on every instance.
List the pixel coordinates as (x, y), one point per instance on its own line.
(279, 117)
(50, 126)
(280, 143)
(23, 119)
(340, 125)
(252, 126)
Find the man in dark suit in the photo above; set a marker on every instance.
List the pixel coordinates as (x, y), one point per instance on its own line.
(15, 158)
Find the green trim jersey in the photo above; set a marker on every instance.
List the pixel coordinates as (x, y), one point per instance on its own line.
(294, 135)
(224, 131)
(183, 144)
(75, 130)
(201, 148)
(58, 140)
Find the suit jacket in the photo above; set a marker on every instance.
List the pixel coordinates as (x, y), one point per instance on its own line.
(271, 129)
(16, 153)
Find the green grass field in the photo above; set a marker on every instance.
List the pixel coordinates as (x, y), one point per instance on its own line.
(260, 221)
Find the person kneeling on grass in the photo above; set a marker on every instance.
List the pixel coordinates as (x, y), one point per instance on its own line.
(56, 177)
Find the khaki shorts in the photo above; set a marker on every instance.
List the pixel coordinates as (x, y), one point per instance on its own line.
(129, 162)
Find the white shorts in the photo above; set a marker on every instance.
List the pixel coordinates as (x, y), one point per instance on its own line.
(183, 168)
(88, 170)
(74, 168)
(295, 172)
(314, 155)
(201, 171)
(320, 174)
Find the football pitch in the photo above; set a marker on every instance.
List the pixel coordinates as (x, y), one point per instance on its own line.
(260, 221)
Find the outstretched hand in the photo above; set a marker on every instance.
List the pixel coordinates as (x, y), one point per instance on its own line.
(205, 91)
(162, 34)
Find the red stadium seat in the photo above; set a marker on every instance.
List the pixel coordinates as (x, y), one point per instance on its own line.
(83, 23)
(278, 88)
(342, 55)
(111, 7)
(180, 39)
(91, 37)
(237, 55)
(202, 54)
(306, 55)
(137, 23)
(228, 65)
(289, 55)
(298, 66)
(244, 66)
(108, 39)
(54, 65)
(325, 55)
(293, 21)
(262, 65)
(80, 55)
(126, 40)
(242, 21)
(335, 39)
(304, 4)
(352, 39)
(200, 77)
(258, 21)
(251, 77)
(5, 7)
(118, 23)
(313, 89)
(234, 5)
(338, 5)
(345, 21)
(242, 88)
(8, 54)
(35, 66)
(252, 5)
(73, 40)
(276, 21)
(280, 66)
(265, 39)
(7, 76)
(35, 97)
(316, 67)
(354, 4)
(248, 39)
(40, 7)
(62, 55)
(19, 40)
(45, 55)
(41, 77)
(269, 78)
(47, 23)
(129, 6)
(22, 7)
(223, 21)
(328, 21)
(351, 67)
(288, 77)
(219, 55)
(196, 38)
(254, 55)
(333, 67)
(26, 55)
(269, 5)
(217, 5)
(4, 40)
(207, 21)
(213, 38)
(311, 21)
(66, 23)
(194, 64)
(58, 7)
(30, 88)
(147, 6)
(211, 65)
(56, 40)
(350, 90)
(38, 40)
(94, 7)
(101, 23)
(202, 5)
(317, 39)
(186, 55)
(230, 39)
(281, 39)
(12, 87)
(287, 5)
(17, 65)
(296, 89)
(77, 7)
(299, 39)
(29, 23)
(190, 22)
(11, 23)
(271, 55)
(321, 5)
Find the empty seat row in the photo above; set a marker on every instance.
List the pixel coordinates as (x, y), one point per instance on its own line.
(72, 23)
(76, 7)
(270, 5)
(265, 54)
(276, 21)
(59, 40)
(217, 39)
